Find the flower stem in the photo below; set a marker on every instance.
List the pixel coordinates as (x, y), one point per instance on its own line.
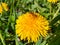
(56, 13)
(50, 11)
(16, 37)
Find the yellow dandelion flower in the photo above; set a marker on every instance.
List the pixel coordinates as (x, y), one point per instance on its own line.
(31, 26)
(1, 9)
(5, 6)
(52, 1)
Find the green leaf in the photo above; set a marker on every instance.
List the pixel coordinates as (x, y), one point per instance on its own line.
(43, 43)
(45, 40)
(16, 40)
(55, 20)
(20, 43)
(2, 38)
(12, 25)
(55, 38)
(39, 41)
(12, 18)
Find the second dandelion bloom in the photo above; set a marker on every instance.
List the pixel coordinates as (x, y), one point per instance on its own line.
(1, 9)
(52, 1)
(31, 26)
(3, 6)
